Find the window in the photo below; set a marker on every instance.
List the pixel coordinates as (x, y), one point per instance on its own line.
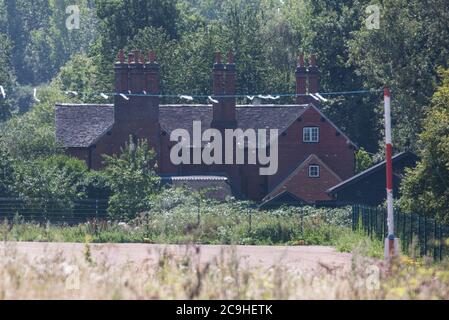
(311, 134)
(314, 171)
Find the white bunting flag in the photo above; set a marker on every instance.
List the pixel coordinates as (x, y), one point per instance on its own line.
(124, 97)
(321, 97)
(2, 91)
(188, 98)
(314, 97)
(213, 100)
(35, 95)
(104, 96)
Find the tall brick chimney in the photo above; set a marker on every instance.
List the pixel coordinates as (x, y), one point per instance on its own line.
(138, 116)
(314, 75)
(224, 77)
(301, 81)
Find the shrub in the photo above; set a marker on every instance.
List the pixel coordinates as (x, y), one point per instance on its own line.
(132, 179)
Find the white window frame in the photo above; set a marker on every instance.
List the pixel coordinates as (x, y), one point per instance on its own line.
(311, 134)
(318, 171)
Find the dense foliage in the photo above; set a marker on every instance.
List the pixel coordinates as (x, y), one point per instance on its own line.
(426, 188)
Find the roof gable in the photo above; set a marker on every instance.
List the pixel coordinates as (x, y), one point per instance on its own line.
(349, 141)
(312, 158)
(283, 198)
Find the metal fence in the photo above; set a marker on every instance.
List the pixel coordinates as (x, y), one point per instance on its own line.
(53, 211)
(419, 235)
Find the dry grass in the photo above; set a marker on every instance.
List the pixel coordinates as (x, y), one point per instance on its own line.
(224, 278)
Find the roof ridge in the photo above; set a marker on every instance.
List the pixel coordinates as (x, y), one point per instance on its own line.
(71, 105)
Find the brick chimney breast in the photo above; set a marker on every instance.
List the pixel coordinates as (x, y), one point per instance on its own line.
(121, 73)
(314, 75)
(224, 84)
(301, 81)
(152, 74)
(137, 116)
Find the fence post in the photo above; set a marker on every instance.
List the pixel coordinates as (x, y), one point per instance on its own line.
(375, 222)
(419, 235)
(369, 221)
(425, 235)
(353, 217)
(250, 220)
(441, 244)
(404, 231)
(96, 209)
(435, 237)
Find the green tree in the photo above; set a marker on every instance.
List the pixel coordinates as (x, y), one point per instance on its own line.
(425, 188)
(32, 135)
(413, 40)
(7, 77)
(121, 21)
(325, 28)
(52, 183)
(6, 172)
(363, 160)
(132, 179)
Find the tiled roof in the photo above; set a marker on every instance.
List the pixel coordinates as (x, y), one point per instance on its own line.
(82, 125)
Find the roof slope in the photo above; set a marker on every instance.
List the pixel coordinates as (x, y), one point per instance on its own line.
(370, 171)
(80, 126)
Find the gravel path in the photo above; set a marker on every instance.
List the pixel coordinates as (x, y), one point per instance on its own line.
(303, 258)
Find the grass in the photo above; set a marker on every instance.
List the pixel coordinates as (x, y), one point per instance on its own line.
(54, 277)
(232, 223)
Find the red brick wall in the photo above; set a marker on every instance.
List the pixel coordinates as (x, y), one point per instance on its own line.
(310, 189)
(332, 149)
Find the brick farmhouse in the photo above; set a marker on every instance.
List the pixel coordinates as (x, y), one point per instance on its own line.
(314, 154)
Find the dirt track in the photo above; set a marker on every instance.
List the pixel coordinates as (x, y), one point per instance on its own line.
(303, 258)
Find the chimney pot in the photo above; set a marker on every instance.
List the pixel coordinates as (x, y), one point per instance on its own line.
(130, 57)
(121, 56)
(141, 58)
(230, 57)
(136, 54)
(301, 62)
(217, 58)
(151, 57)
(313, 60)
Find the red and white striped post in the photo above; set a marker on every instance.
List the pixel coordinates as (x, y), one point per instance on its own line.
(390, 249)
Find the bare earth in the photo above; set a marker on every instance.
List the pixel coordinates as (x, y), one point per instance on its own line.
(302, 258)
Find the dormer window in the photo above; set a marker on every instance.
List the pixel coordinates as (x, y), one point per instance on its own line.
(311, 135)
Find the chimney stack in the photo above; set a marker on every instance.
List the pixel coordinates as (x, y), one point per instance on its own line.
(224, 112)
(136, 73)
(314, 76)
(151, 72)
(301, 81)
(307, 80)
(139, 114)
